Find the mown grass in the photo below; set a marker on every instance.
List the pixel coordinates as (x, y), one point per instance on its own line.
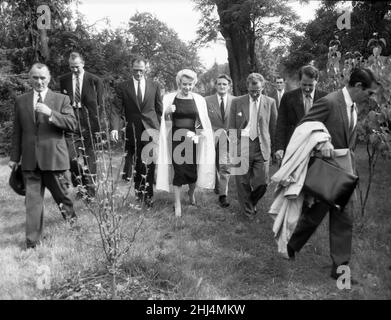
(209, 253)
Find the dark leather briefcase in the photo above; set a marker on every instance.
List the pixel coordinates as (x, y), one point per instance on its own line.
(328, 182)
(16, 180)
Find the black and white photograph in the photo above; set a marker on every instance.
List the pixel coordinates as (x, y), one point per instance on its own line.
(195, 155)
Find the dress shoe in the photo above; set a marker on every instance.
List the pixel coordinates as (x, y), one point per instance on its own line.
(30, 244)
(334, 275)
(223, 201)
(291, 252)
(148, 203)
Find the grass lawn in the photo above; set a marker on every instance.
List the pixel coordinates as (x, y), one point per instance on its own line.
(209, 253)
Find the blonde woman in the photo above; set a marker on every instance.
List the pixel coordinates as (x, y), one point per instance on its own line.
(186, 144)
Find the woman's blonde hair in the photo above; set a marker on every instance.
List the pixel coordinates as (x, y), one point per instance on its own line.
(187, 73)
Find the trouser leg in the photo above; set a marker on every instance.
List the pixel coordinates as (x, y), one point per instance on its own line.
(34, 205)
(58, 184)
(309, 221)
(341, 232)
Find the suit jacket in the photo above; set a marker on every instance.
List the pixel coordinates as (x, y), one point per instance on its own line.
(42, 143)
(239, 117)
(331, 110)
(214, 112)
(290, 112)
(91, 98)
(274, 95)
(146, 116)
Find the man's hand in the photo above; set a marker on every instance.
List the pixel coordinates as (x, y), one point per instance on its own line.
(279, 154)
(327, 150)
(43, 108)
(114, 135)
(11, 164)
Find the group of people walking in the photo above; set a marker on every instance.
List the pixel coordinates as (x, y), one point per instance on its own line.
(179, 139)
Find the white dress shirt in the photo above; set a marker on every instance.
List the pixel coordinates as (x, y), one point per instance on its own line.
(349, 102)
(142, 85)
(253, 112)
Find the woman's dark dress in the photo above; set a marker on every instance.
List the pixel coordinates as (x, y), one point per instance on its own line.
(184, 117)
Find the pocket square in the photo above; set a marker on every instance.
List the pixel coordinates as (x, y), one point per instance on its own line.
(239, 114)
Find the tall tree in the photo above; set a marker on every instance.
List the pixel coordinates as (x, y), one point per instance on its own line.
(241, 23)
(367, 17)
(162, 47)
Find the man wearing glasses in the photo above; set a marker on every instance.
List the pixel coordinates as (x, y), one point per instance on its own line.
(253, 116)
(294, 105)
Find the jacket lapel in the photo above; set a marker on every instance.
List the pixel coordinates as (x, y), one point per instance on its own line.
(342, 109)
(299, 105)
(216, 106)
(132, 92)
(246, 107)
(49, 99)
(30, 106)
(228, 108)
(85, 85)
(148, 88)
(69, 87)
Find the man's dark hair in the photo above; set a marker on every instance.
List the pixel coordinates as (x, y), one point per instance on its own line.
(138, 59)
(224, 76)
(365, 76)
(309, 71)
(278, 77)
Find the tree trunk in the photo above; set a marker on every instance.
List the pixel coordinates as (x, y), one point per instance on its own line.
(237, 38)
(44, 44)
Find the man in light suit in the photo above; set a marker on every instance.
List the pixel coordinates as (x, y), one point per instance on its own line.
(40, 121)
(141, 102)
(294, 105)
(338, 112)
(278, 91)
(219, 106)
(85, 91)
(254, 117)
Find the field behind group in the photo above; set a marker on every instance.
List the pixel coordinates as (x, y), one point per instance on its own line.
(209, 253)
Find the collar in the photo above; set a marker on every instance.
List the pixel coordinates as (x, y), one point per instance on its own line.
(80, 75)
(347, 97)
(43, 94)
(312, 94)
(141, 81)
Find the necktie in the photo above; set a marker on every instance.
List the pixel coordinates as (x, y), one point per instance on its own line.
(77, 92)
(37, 114)
(139, 95)
(254, 120)
(307, 103)
(222, 109)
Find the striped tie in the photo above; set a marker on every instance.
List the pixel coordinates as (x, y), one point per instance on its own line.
(77, 92)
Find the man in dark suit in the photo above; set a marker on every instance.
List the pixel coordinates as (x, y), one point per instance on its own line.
(219, 106)
(40, 121)
(338, 112)
(141, 102)
(294, 105)
(85, 91)
(279, 90)
(253, 116)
